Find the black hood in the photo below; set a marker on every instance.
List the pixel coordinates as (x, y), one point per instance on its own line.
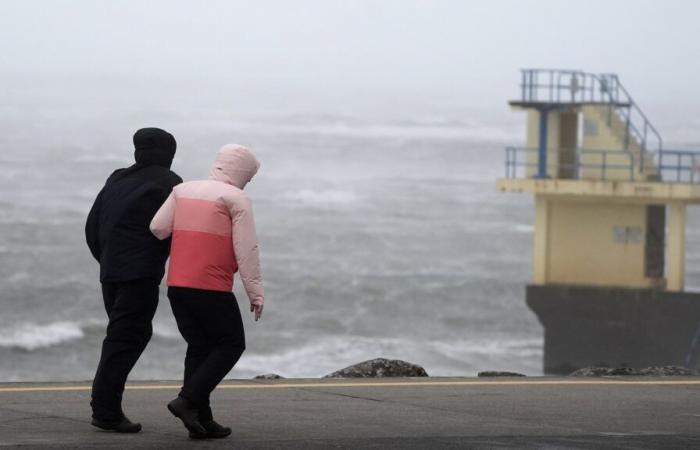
(154, 146)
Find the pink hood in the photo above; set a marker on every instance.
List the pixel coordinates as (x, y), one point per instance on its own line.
(235, 165)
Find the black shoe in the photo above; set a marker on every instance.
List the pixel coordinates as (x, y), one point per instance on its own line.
(183, 409)
(123, 426)
(214, 431)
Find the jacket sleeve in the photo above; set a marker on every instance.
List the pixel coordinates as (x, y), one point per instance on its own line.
(245, 247)
(92, 228)
(162, 223)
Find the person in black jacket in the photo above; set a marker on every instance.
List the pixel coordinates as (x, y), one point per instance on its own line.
(132, 264)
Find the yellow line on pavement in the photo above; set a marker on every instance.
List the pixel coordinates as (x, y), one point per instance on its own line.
(386, 384)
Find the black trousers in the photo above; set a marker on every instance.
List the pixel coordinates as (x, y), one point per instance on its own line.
(130, 307)
(210, 322)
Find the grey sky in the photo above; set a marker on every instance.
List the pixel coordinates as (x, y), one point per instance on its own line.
(469, 50)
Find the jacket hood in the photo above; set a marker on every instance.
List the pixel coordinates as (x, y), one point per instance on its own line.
(235, 165)
(154, 146)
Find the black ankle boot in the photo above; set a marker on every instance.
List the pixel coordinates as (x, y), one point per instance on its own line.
(214, 430)
(121, 426)
(185, 411)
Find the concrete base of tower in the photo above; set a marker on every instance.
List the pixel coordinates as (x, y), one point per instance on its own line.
(616, 327)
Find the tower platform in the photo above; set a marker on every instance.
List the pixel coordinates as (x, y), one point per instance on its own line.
(564, 104)
(612, 190)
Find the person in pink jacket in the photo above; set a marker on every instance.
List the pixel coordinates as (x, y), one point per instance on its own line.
(213, 237)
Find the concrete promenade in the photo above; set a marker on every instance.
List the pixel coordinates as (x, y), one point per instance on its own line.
(410, 413)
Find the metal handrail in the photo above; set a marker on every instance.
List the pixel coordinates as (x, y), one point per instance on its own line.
(587, 87)
(682, 169)
(512, 162)
(685, 161)
(647, 123)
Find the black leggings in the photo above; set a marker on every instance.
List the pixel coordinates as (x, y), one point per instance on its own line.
(130, 306)
(210, 322)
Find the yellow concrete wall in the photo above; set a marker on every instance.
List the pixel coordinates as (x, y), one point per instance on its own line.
(578, 246)
(532, 132)
(648, 192)
(540, 249)
(533, 142)
(598, 134)
(675, 248)
(593, 232)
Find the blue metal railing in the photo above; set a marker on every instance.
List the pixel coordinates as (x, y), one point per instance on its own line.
(568, 86)
(679, 166)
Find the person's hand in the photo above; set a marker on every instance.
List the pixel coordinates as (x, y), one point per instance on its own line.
(257, 309)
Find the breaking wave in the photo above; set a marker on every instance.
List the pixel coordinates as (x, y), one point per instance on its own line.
(524, 228)
(331, 197)
(32, 336)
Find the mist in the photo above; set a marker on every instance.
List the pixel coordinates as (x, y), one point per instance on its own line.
(332, 54)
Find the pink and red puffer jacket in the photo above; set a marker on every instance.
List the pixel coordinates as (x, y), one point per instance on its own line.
(213, 230)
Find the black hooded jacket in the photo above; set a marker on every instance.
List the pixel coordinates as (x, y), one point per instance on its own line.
(117, 227)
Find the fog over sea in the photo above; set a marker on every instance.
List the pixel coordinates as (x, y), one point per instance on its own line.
(381, 235)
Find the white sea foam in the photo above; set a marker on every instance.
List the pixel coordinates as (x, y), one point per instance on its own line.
(439, 129)
(489, 348)
(31, 336)
(322, 356)
(51, 221)
(18, 277)
(166, 331)
(323, 198)
(524, 228)
(103, 157)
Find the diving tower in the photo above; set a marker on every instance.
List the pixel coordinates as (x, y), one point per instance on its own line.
(608, 279)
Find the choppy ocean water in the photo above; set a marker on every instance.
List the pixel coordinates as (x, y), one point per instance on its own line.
(380, 237)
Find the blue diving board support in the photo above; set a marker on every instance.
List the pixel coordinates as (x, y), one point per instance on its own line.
(543, 110)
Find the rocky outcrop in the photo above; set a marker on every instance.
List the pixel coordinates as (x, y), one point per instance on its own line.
(380, 367)
(268, 376)
(494, 373)
(661, 371)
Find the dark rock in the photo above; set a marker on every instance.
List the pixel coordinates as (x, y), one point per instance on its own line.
(494, 373)
(662, 371)
(380, 367)
(268, 376)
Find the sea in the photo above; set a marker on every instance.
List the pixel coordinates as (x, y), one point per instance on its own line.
(381, 232)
